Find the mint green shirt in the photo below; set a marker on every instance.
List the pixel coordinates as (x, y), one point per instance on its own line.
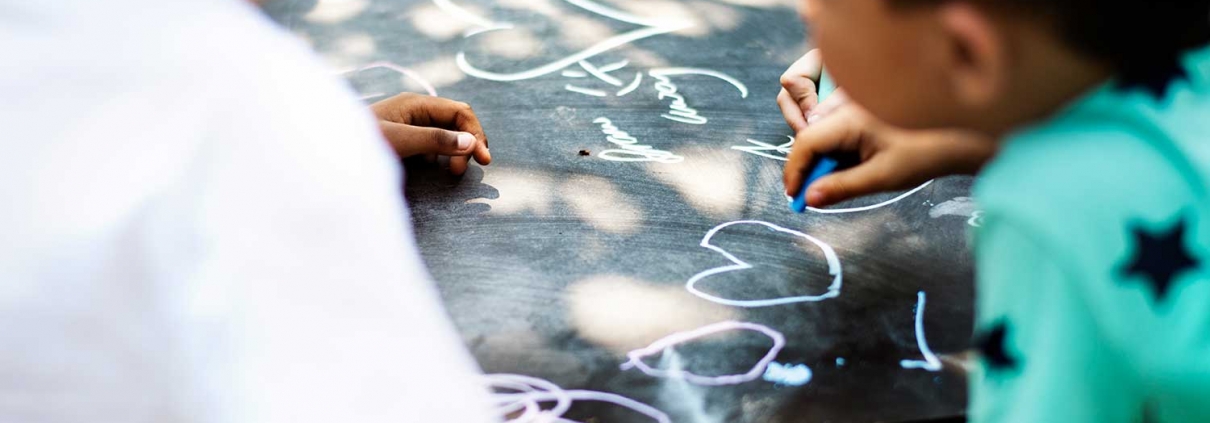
(1093, 262)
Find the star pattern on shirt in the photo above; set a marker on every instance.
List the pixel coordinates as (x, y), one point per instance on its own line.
(1160, 257)
(1156, 79)
(992, 348)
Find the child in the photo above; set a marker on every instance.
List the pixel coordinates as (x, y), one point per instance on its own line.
(200, 223)
(1093, 120)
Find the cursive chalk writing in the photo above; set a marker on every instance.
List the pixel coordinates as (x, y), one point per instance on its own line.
(678, 111)
(763, 149)
(631, 150)
(743, 89)
(601, 73)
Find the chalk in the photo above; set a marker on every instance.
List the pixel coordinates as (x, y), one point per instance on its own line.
(786, 374)
(823, 164)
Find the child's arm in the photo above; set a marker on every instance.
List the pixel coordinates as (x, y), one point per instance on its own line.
(417, 124)
(891, 158)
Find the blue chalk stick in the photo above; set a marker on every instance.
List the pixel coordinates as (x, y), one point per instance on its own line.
(823, 164)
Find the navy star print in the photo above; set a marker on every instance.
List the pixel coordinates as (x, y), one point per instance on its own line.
(1156, 80)
(991, 347)
(1160, 257)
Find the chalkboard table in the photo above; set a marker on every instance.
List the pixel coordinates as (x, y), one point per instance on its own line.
(632, 236)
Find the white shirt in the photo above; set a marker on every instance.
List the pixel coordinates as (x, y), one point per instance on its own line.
(199, 223)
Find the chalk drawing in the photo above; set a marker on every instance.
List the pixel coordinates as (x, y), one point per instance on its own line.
(638, 79)
(976, 219)
(960, 206)
(581, 90)
(834, 269)
(930, 362)
(785, 374)
(592, 70)
(651, 27)
(368, 96)
(614, 66)
(602, 73)
(407, 73)
(679, 111)
(616, 14)
(522, 398)
(743, 89)
(631, 150)
(636, 357)
(875, 206)
(464, 15)
(763, 149)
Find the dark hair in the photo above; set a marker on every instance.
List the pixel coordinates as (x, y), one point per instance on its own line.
(1142, 40)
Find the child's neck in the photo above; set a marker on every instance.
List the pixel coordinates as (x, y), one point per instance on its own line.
(1048, 77)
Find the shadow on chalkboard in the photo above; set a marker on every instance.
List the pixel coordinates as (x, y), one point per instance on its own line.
(433, 180)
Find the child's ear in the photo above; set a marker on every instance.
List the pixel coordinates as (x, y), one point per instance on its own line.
(977, 60)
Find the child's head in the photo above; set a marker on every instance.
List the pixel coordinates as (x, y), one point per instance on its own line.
(991, 65)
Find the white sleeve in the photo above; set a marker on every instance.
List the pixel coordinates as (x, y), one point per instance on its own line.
(310, 302)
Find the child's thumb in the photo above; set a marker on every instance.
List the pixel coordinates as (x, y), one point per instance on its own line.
(408, 140)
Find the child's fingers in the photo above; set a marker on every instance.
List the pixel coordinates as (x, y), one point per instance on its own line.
(459, 164)
(842, 132)
(458, 116)
(869, 177)
(481, 154)
(408, 140)
(891, 171)
(830, 105)
(791, 111)
(448, 114)
(801, 91)
(799, 81)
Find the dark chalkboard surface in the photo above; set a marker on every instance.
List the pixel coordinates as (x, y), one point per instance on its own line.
(576, 245)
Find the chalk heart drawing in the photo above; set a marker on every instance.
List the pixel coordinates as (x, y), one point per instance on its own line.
(647, 27)
(635, 358)
(738, 265)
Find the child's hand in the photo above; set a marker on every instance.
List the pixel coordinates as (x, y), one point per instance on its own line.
(417, 124)
(891, 158)
(799, 99)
